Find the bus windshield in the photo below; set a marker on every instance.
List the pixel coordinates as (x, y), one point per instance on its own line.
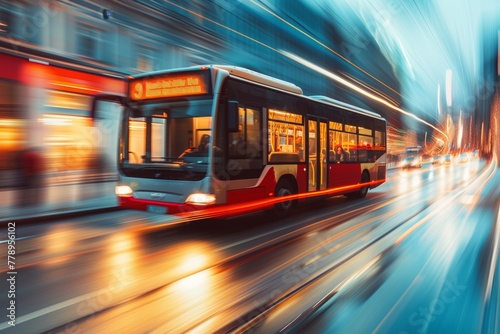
(167, 140)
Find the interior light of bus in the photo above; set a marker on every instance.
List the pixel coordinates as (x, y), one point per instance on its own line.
(201, 199)
(123, 191)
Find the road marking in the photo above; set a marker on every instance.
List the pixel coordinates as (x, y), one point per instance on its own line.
(50, 309)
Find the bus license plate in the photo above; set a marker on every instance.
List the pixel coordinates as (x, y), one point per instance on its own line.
(156, 209)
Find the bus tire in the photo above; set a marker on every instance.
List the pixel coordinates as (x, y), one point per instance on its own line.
(361, 193)
(284, 188)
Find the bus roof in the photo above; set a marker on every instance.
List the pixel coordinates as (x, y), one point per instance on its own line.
(344, 105)
(260, 78)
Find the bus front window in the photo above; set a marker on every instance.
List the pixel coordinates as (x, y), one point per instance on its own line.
(156, 139)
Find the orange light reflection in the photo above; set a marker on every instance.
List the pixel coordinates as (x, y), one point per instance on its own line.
(235, 209)
(56, 244)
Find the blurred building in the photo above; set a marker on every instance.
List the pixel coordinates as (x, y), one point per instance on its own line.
(56, 55)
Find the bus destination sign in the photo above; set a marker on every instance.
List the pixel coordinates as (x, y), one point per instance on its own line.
(169, 85)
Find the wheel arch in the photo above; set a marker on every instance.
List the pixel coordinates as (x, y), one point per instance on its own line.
(292, 180)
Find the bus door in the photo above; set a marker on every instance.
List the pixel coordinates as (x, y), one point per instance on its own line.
(317, 134)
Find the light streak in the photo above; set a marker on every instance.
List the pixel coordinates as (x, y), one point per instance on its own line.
(439, 99)
(449, 89)
(257, 205)
(38, 61)
(356, 88)
(222, 26)
(313, 66)
(277, 50)
(323, 45)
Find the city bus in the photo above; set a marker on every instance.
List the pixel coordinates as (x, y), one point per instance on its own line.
(218, 136)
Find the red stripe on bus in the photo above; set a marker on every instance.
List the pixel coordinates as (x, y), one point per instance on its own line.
(260, 191)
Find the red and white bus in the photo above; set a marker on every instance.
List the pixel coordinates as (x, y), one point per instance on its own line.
(213, 136)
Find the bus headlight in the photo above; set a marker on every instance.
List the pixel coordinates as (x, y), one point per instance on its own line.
(201, 199)
(123, 191)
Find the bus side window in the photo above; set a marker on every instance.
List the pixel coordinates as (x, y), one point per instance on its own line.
(244, 146)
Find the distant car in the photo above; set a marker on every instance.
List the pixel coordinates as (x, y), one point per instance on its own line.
(411, 162)
(447, 159)
(463, 157)
(438, 160)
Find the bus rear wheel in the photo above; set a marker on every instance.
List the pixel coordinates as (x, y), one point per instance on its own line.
(284, 188)
(361, 193)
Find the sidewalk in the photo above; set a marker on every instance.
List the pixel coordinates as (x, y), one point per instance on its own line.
(57, 201)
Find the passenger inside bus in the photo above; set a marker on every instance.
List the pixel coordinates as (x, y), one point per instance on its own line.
(340, 154)
(202, 147)
(204, 143)
(299, 149)
(237, 146)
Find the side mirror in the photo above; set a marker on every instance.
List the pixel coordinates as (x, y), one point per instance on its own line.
(232, 116)
(118, 99)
